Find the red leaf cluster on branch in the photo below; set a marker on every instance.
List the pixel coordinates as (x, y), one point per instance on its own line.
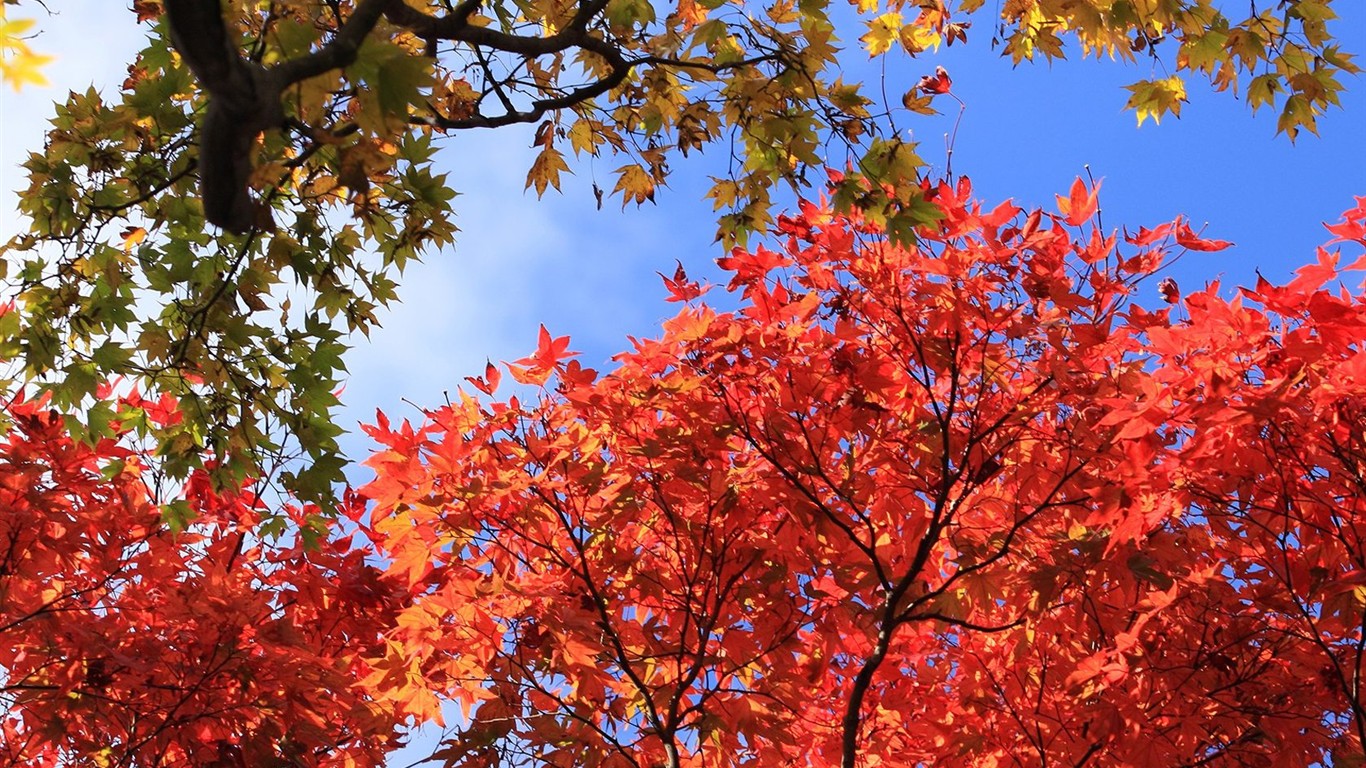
(123, 643)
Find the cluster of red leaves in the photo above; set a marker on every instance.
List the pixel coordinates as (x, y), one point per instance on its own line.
(962, 503)
(123, 643)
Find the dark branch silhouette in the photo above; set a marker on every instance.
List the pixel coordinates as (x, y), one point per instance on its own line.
(244, 98)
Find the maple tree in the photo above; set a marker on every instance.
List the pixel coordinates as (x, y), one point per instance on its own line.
(312, 126)
(127, 641)
(964, 501)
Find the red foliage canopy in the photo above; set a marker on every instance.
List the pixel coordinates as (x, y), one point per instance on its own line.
(964, 503)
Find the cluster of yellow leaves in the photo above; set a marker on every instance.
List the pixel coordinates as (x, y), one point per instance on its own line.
(1285, 50)
(19, 64)
(795, 112)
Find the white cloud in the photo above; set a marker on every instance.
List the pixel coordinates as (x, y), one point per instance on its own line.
(517, 263)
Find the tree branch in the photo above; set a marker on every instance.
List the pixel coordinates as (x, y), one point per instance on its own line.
(244, 98)
(339, 53)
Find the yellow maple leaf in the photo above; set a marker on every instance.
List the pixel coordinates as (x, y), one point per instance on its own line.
(1154, 98)
(634, 184)
(882, 33)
